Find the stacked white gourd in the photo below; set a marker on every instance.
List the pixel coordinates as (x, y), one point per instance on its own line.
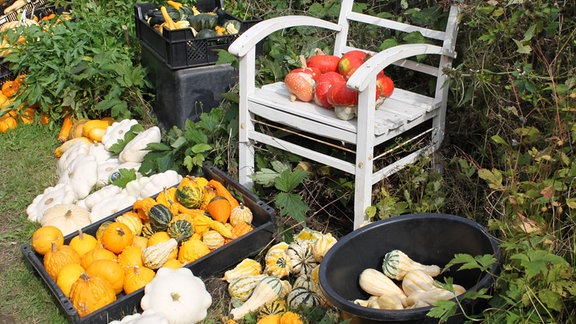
(84, 193)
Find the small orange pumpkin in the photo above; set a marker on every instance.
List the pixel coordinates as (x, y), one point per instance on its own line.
(90, 293)
(117, 236)
(97, 253)
(136, 278)
(9, 88)
(59, 256)
(110, 270)
(83, 242)
(67, 276)
(131, 256)
(44, 236)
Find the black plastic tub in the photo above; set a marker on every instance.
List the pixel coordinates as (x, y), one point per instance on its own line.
(426, 238)
(213, 263)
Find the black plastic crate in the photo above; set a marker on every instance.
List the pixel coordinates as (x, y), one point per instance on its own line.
(5, 73)
(30, 8)
(213, 263)
(178, 48)
(185, 94)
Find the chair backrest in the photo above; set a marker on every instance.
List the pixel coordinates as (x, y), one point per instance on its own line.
(348, 17)
(445, 38)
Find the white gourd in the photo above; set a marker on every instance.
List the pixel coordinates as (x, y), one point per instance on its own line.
(417, 281)
(376, 283)
(432, 296)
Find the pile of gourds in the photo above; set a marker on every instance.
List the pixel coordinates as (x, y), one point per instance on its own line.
(202, 24)
(178, 226)
(403, 284)
(93, 153)
(285, 282)
(11, 116)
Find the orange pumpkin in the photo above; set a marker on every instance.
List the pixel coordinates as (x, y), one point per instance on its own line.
(90, 293)
(83, 242)
(97, 253)
(117, 236)
(136, 278)
(131, 256)
(44, 236)
(67, 276)
(9, 88)
(59, 256)
(110, 270)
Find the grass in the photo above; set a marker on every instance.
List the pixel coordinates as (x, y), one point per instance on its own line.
(27, 167)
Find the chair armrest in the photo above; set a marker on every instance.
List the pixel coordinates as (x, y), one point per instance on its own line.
(367, 72)
(261, 30)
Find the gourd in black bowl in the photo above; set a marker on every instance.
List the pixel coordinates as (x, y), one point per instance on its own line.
(431, 239)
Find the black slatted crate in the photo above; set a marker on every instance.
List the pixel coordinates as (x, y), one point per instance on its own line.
(213, 263)
(179, 48)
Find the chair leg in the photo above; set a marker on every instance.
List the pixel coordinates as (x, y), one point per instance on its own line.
(246, 163)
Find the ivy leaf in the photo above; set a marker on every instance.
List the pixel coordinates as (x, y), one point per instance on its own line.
(121, 177)
(292, 205)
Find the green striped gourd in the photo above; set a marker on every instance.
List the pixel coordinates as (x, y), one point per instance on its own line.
(159, 217)
(301, 296)
(267, 290)
(241, 288)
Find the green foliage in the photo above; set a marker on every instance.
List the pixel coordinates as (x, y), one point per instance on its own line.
(84, 65)
(286, 181)
(186, 150)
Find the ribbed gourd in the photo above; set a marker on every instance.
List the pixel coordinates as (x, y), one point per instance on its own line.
(156, 255)
(274, 307)
(266, 291)
(322, 245)
(397, 264)
(416, 281)
(241, 214)
(301, 257)
(277, 261)
(159, 217)
(302, 297)
(241, 288)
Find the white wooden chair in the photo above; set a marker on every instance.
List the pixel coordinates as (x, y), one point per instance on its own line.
(399, 114)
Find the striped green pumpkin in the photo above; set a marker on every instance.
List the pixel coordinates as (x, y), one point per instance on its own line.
(159, 217)
(190, 196)
(181, 230)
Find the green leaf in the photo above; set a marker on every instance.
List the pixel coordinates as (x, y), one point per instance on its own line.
(119, 146)
(178, 143)
(494, 178)
(121, 177)
(265, 177)
(201, 148)
(291, 205)
(288, 181)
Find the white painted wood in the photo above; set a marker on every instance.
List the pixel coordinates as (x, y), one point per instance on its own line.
(377, 123)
